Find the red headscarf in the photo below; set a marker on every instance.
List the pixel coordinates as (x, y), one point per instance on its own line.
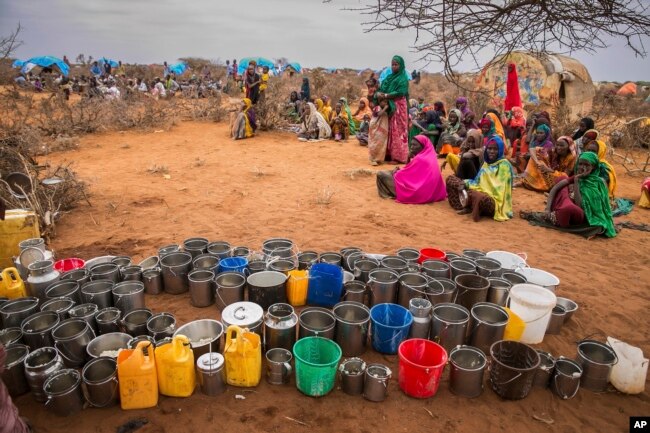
(513, 99)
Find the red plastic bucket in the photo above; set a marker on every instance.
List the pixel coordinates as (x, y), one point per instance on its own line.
(66, 265)
(431, 253)
(421, 363)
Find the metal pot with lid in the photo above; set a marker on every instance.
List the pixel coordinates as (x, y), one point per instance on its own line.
(245, 315)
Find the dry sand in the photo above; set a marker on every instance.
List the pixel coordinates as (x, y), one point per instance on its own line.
(273, 185)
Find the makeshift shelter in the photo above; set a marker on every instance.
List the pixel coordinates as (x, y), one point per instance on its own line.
(545, 82)
(111, 62)
(178, 68)
(43, 62)
(260, 61)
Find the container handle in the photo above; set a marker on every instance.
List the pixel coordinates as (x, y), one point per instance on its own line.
(68, 357)
(288, 367)
(523, 256)
(509, 380)
(564, 397)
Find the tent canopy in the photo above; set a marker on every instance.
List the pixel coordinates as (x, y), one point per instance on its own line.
(111, 62)
(261, 61)
(178, 68)
(295, 66)
(44, 62)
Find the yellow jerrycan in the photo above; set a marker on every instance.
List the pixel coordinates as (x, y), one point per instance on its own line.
(11, 285)
(175, 366)
(297, 285)
(243, 354)
(136, 373)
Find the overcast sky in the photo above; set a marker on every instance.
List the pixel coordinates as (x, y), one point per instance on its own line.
(306, 31)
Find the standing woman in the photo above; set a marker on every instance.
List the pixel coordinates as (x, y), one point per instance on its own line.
(252, 82)
(395, 88)
(305, 92)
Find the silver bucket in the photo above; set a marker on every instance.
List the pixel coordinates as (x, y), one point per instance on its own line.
(70, 339)
(570, 307)
(345, 253)
(487, 267)
(499, 291)
(122, 261)
(363, 267)
(221, 249)
(375, 384)
(13, 375)
(545, 369)
(133, 342)
(161, 325)
(135, 321)
(207, 262)
(596, 360)
(67, 288)
(436, 295)
(267, 288)
(131, 273)
(449, 323)
(353, 372)
(64, 394)
(61, 306)
(175, 267)
(352, 324)
(108, 320)
(86, 312)
(382, 286)
(566, 378)
(107, 345)
(255, 266)
(128, 296)
(152, 280)
(210, 374)
(411, 255)
(98, 293)
(81, 276)
(556, 321)
(195, 246)
(436, 268)
(355, 291)
(306, 259)
(39, 365)
(467, 368)
(282, 265)
(514, 278)
(278, 366)
(472, 289)
(167, 249)
(201, 288)
(331, 257)
(105, 271)
(11, 336)
(421, 311)
(280, 327)
(99, 376)
(204, 335)
(229, 288)
(37, 329)
(487, 326)
(15, 311)
(278, 247)
(411, 285)
(462, 267)
(151, 262)
(241, 252)
(316, 322)
(472, 254)
(395, 263)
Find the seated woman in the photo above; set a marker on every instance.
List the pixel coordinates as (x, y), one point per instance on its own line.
(644, 201)
(420, 181)
(320, 107)
(439, 107)
(542, 173)
(589, 205)
(427, 123)
(363, 110)
(490, 192)
(244, 125)
(607, 171)
(352, 128)
(470, 158)
(586, 123)
(327, 107)
(453, 135)
(513, 124)
(469, 120)
(314, 126)
(339, 123)
(362, 133)
(293, 107)
(519, 153)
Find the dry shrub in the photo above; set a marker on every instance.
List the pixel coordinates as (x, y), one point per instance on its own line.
(158, 169)
(324, 196)
(359, 172)
(209, 108)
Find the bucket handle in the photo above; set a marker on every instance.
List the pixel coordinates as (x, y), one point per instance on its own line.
(84, 389)
(509, 380)
(288, 367)
(564, 397)
(70, 358)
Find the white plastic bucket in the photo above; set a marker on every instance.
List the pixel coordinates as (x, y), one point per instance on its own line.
(508, 260)
(540, 278)
(534, 305)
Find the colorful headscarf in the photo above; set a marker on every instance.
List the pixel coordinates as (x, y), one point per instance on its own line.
(546, 143)
(365, 111)
(513, 99)
(462, 101)
(486, 121)
(500, 152)
(595, 197)
(607, 170)
(498, 126)
(351, 126)
(566, 164)
(518, 119)
(452, 129)
(397, 83)
(590, 135)
(249, 118)
(495, 180)
(420, 181)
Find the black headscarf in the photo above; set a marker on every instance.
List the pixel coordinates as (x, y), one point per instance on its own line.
(305, 93)
(589, 124)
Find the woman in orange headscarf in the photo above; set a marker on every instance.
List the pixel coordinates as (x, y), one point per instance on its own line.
(363, 110)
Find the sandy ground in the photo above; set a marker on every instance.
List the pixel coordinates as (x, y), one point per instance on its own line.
(273, 185)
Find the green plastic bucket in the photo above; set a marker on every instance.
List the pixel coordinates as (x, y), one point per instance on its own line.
(317, 360)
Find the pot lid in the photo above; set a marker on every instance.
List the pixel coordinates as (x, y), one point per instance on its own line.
(30, 255)
(242, 314)
(210, 361)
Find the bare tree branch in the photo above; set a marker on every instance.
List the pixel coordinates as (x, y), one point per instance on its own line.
(9, 43)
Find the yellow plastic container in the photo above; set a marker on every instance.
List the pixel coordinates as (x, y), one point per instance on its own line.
(297, 287)
(136, 373)
(243, 354)
(12, 286)
(515, 327)
(175, 366)
(19, 224)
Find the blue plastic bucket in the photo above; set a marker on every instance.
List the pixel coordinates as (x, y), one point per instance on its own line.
(233, 264)
(390, 326)
(325, 284)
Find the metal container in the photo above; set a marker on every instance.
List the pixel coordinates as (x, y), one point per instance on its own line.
(487, 267)
(108, 320)
(513, 369)
(278, 247)
(152, 280)
(220, 249)
(40, 365)
(229, 288)
(122, 261)
(467, 368)
(355, 291)
(596, 360)
(545, 369)
(411, 285)
(345, 253)
(13, 375)
(280, 327)
(201, 288)
(353, 372)
(245, 315)
(449, 324)
(81, 276)
(41, 275)
(421, 310)
(98, 292)
(395, 263)
(278, 366)
(107, 345)
(61, 306)
(167, 249)
(86, 312)
(352, 324)
(70, 339)
(473, 254)
(161, 325)
(566, 378)
(375, 385)
(195, 246)
(15, 311)
(151, 262)
(282, 265)
(255, 266)
(436, 268)
(570, 307)
(32, 243)
(514, 278)
(447, 294)
(382, 286)
(11, 336)
(411, 255)
(204, 335)
(267, 288)
(306, 259)
(63, 288)
(131, 273)
(99, 376)
(362, 268)
(64, 394)
(462, 267)
(331, 257)
(316, 322)
(488, 324)
(207, 262)
(557, 320)
(133, 342)
(128, 296)
(105, 271)
(499, 291)
(175, 268)
(210, 374)
(37, 329)
(241, 252)
(472, 289)
(135, 321)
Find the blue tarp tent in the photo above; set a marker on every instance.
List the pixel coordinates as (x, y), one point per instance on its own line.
(178, 68)
(387, 71)
(44, 62)
(17, 64)
(261, 61)
(295, 66)
(111, 62)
